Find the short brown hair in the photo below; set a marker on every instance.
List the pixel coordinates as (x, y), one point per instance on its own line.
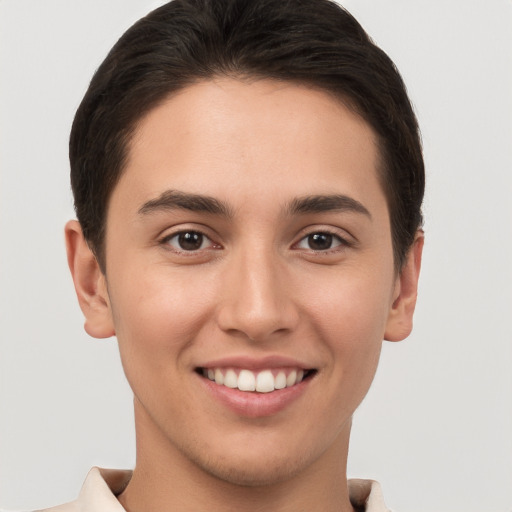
(312, 42)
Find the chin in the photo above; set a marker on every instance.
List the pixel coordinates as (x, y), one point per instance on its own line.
(255, 474)
(256, 467)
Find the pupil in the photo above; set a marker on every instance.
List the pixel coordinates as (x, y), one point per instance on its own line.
(320, 241)
(190, 241)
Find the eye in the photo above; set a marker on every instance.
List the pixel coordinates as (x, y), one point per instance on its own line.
(188, 241)
(321, 241)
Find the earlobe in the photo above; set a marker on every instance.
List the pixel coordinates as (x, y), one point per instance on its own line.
(90, 283)
(400, 319)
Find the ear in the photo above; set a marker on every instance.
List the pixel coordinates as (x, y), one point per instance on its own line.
(90, 283)
(399, 324)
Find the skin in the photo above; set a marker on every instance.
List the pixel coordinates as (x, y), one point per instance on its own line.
(254, 288)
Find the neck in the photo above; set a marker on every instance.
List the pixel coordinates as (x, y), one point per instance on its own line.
(165, 479)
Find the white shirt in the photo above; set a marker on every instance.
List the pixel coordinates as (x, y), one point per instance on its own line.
(101, 487)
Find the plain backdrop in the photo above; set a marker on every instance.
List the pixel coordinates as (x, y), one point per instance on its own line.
(436, 429)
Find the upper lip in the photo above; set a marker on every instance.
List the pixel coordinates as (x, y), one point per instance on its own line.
(253, 363)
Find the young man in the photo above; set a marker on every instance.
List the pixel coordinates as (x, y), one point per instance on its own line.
(248, 181)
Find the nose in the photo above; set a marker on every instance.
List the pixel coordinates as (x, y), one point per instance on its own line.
(257, 299)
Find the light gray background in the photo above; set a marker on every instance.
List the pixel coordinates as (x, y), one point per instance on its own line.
(436, 429)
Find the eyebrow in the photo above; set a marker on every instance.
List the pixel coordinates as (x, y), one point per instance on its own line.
(176, 200)
(326, 203)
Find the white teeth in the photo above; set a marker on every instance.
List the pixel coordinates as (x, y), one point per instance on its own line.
(280, 382)
(265, 382)
(231, 380)
(246, 381)
(291, 379)
(219, 378)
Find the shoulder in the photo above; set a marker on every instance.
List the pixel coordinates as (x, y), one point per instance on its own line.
(67, 507)
(73, 506)
(98, 493)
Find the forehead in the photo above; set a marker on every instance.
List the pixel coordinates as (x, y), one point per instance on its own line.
(235, 140)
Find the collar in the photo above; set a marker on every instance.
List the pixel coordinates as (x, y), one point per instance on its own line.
(366, 495)
(103, 485)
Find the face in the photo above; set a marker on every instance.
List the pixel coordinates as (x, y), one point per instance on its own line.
(250, 277)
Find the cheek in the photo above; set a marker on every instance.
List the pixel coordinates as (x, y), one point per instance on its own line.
(157, 314)
(351, 317)
(353, 305)
(156, 320)
(355, 340)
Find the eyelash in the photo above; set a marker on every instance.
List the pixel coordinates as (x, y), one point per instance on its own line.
(165, 241)
(341, 242)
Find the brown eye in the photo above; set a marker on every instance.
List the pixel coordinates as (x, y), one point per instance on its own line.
(189, 241)
(320, 241)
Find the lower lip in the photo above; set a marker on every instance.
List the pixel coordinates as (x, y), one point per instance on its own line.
(253, 404)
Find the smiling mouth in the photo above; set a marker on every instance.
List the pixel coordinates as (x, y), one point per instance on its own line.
(264, 381)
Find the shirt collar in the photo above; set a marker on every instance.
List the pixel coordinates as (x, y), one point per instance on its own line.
(366, 495)
(103, 485)
(101, 488)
